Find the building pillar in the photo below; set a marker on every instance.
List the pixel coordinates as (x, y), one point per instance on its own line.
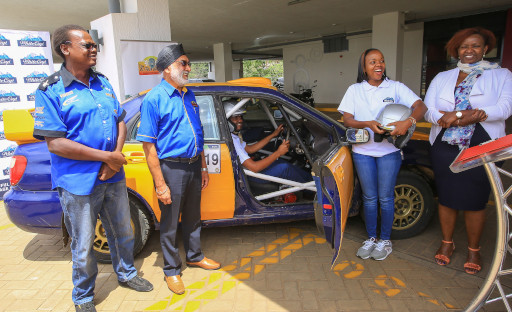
(223, 62)
(237, 69)
(388, 37)
(140, 20)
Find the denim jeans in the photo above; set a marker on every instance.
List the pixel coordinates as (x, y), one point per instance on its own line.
(284, 170)
(110, 201)
(378, 178)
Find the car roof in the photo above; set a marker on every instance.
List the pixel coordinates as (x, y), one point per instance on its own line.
(253, 82)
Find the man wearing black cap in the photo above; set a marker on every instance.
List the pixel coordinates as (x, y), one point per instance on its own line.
(172, 136)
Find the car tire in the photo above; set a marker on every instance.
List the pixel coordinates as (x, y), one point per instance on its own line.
(142, 225)
(410, 220)
(414, 205)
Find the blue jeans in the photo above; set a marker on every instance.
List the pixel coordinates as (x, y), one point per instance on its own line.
(110, 201)
(378, 178)
(284, 170)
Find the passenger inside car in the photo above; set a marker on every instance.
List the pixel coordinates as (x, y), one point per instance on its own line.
(270, 163)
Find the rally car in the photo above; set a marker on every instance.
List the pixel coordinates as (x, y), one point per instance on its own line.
(317, 143)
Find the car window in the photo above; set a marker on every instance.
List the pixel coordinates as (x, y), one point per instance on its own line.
(207, 115)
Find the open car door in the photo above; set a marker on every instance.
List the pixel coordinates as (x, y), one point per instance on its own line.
(334, 179)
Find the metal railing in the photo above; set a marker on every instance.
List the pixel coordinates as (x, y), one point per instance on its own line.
(503, 237)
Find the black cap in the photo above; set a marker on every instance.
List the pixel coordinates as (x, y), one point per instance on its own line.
(169, 55)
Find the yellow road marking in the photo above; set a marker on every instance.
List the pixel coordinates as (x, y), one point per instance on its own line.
(219, 282)
(3, 227)
(206, 293)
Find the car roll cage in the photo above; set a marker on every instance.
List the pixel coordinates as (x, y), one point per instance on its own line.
(295, 186)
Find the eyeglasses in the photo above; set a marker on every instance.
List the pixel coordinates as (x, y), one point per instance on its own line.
(87, 46)
(183, 63)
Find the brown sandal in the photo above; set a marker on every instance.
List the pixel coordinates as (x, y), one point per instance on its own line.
(444, 258)
(472, 266)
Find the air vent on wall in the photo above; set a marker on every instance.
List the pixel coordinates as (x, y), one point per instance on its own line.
(337, 43)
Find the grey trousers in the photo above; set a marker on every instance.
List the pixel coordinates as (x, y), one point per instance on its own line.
(184, 180)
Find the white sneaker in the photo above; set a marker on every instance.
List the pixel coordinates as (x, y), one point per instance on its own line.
(382, 249)
(367, 248)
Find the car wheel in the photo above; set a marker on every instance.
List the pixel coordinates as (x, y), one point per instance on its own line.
(141, 223)
(414, 205)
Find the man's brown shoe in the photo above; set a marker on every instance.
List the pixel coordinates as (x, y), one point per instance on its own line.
(207, 264)
(175, 284)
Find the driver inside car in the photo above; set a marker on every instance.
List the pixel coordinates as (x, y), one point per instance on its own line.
(270, 165)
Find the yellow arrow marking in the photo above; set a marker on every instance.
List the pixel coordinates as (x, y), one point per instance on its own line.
(344, 264)
(207, 295)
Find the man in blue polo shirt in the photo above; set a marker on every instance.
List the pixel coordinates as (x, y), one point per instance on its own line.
(172, 137)
(79, 116)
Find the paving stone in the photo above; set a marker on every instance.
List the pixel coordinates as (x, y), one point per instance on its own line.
(308, 298)
(397, 306)
(314, 285)
(328, 305)
(290, 290)
(283, 305)
(354, 305)
(441, 282)
(341, 294)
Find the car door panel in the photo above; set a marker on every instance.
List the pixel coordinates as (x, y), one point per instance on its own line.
(217, 200)
(334, 178)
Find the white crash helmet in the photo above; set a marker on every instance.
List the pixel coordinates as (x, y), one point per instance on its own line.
(392, 113)
(229, 105)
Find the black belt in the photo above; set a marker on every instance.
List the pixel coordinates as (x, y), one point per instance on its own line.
(182, 160)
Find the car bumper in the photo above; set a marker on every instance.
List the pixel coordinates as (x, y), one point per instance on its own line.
(36, 212)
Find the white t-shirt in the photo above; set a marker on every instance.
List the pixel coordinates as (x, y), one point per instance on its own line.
(365, 102)
(240, 148)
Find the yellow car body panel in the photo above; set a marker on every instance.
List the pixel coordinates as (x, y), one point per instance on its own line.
(341, 166)
(217, 200)
(19, 126)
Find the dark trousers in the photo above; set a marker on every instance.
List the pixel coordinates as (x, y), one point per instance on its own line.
(184, 180)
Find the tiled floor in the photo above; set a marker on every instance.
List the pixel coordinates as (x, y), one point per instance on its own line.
(276, 267)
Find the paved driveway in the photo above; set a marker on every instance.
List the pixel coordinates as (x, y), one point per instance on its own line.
(277, 267)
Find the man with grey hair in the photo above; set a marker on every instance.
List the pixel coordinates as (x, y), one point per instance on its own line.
(172, 136)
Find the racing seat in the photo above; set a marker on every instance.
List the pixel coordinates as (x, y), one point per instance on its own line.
(263, 188)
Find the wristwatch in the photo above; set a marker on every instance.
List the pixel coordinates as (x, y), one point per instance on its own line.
(458, 114)
(204, 169)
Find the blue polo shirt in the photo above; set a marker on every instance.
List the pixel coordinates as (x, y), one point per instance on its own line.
(67, 108)
(171, 120)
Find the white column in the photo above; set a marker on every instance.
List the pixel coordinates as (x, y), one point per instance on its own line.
(147, 20)
(237, 69)
(413, 57)
(388, 37)
(223, 62)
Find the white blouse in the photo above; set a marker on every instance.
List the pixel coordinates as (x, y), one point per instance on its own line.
(365, 102)
(492, 92)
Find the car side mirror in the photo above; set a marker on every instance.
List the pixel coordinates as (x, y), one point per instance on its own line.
(355, 136)
(278, 114)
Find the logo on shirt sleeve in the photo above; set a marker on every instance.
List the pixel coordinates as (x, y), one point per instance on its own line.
(389, 100)
(38, 123)
(39, 110)
(193, 103)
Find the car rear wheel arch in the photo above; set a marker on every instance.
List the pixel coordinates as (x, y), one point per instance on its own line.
(142, 224)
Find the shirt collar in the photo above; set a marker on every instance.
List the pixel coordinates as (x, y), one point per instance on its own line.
(67, 77)
(170, 89)
(384, 84)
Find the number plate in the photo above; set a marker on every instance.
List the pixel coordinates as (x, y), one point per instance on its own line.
(212, 157)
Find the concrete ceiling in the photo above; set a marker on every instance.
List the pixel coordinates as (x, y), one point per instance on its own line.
(198, 24)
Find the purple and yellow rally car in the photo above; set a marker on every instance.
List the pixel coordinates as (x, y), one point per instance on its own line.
(317, 144)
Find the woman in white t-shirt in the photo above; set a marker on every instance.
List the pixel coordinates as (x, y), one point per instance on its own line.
(377, 163)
